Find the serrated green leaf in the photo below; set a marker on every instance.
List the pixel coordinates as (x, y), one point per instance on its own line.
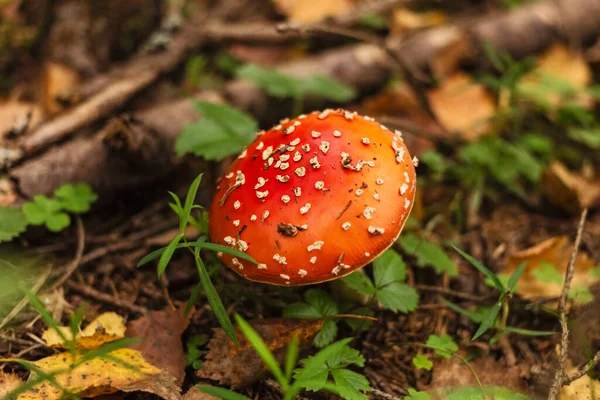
(328, 88)
(422, 362)
(76, 198)
(489, 274)
(189, 202)
(321, 301)
(327, 334)
(415, 395)
(547, 273)
(428, 254)
(388, 268)
(350, 384)
(37, 211)
(301, 310)
(398, 297)
(58, 222)
(360, 282)
(488, 321)
(315, 366)
(443, 345)
(12, 223)
(165, 257)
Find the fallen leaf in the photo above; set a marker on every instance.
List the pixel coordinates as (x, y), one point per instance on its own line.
(8, 383)
(161, 344)
(569, 190)
(462, 105)
(59, 87)
(107, 328)
(546, 263)
(306, 11)
(556, 67)
(239, 366)
(101, 376)
(17, 116)
(404, 20)
(581, 389)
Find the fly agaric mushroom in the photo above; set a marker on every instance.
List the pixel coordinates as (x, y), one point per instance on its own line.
(314, 198)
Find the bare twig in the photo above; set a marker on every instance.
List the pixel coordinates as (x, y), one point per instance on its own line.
(559, 377)
(384, 395)
(583, 370)
(103, 297)
(77, 259)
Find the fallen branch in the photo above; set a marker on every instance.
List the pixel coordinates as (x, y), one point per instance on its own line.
(582, 371)
(559, 377)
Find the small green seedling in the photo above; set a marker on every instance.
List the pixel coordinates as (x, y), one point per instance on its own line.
(387, 286)
(194, 352)
(180, 241)
(326, 370)
(318, 305)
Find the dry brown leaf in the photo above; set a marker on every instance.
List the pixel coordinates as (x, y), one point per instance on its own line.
(107, 328)
(8, 383)
(101, 376)
(196, 394)
(16, 114)
(239, 366)
(404, 20)
(561, 64)
(59, 87)
(555, 251)
(306, 11)
(161, 345)
(462, 105)
(568, 190)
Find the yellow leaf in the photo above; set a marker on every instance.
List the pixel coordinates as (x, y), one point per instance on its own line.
(8, 383)
(405, 20)
(310, 10)
(96, 376)
(108, 327)
(462, 105)
(581, 389)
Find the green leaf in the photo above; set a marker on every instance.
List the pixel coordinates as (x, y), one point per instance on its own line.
(213, 298)
(360, 282)
(223, 131)
(165, 257)
(422, 362)
(291, 357)
(344, 357)
(443, 345)
(316, 366)
(327, 334)
(328, 88)
(428, 254)
(398, 297)
(594, 272)
(262, 350)
(189, 202)
(514, 278)
(43, 210)
(488, 321)
(12, 223)
(177, 205)
(373, 21)
(388, 268)
(76, 198)
(272, 81)
(301, 310)
(489, 274)
(473, 316)
(415, 395)
(527, 332)
(466, 394)
(350, 384)
(547, 273)
(58, 222)
(588, 137)
(222, 393)
(201, 245)
(581, 294)
(321, 301)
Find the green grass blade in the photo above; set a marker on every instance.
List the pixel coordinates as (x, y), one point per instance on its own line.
(514, 278)
(224, 249)
(528, 332)
(473, 316)
(497, 283)
(222, 393)
(213, 299)
(489, 320)
(189, 202)
(291, 357)
(262, 350)
(165, 257)
(177, 205)
(107, 348)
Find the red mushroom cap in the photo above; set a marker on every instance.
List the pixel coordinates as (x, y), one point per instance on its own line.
(314, 198)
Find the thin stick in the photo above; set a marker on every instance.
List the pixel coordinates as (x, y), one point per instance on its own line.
(583, 370)
(78, 255)
(559, 377)
(95, 294)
